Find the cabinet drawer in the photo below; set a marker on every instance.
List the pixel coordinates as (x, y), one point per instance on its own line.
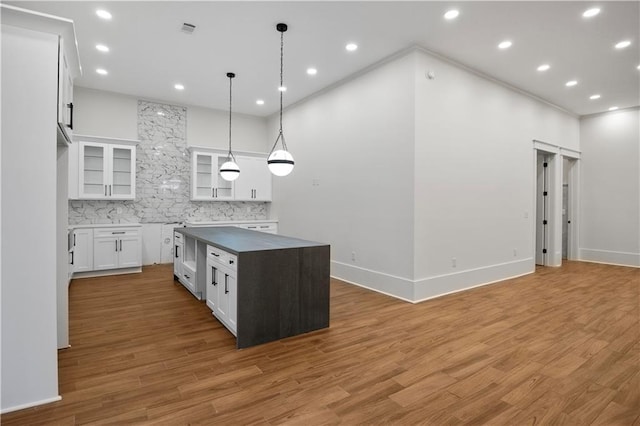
(177, 237)
(189, 276)
(222, 257)
(116, 232)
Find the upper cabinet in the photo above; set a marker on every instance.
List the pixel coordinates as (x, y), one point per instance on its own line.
(102, 169)
(253, 184)
(65, 92)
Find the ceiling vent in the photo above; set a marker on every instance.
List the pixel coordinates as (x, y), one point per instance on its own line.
(188, 28)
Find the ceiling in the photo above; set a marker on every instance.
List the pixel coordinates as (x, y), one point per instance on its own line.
(149, 53)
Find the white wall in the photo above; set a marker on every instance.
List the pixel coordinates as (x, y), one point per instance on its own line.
(100, 113)
(29, 109)
(474, 179)
(610, 188)
(352, 183)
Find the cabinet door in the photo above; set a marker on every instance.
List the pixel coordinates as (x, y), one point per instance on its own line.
(129, 252)
(92, 174)
(82, 250)
(105, 253)
(221, 309)
(254, 182)
(65, 93)
(213, 278)
(206, 182)
(178, 257)
(122, 183)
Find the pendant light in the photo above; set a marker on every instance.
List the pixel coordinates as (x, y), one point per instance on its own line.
(280, 162)
(230, 170)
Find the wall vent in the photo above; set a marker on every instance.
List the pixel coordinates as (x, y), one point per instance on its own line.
(188, 28)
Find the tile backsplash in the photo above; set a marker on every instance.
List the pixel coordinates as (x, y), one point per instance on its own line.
(162, 179)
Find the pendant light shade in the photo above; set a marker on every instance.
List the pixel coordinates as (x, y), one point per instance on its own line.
(280, 162)
(229, 169)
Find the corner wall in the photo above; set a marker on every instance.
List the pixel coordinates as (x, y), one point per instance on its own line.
(610, 188)
(474, 182)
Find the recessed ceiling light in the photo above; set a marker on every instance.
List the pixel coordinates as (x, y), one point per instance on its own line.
(351, 47)
(544, 67)
(639, 67)
(103, 14)
(594, 97)
(102, 47)
(571, 83)
(589, 13)
(312, 71)
(102, 71)
(613, 108)
(260, 102)
(623, 44)
(505, 44)
(451, 14)
(282, 88)
(178, 86)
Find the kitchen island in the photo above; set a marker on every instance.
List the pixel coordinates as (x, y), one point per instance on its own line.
(262, 287)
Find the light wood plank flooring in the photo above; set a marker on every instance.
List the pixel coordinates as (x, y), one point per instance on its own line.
(560, 346)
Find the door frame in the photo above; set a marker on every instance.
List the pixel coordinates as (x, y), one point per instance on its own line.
(555, 155)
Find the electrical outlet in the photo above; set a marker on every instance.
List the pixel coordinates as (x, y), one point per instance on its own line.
(353, 256)
(454, 262)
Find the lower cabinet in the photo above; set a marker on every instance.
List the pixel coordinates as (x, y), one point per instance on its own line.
(222, 287)
(106, 249)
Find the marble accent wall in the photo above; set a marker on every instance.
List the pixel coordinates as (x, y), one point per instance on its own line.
(162, 179)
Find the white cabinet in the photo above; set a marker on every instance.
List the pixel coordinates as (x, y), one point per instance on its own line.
(115, 248)
(82, 251)
(206, 182)
(178, 254)
(102, 169)
(222, 286)
(65, 92)
(254, 182)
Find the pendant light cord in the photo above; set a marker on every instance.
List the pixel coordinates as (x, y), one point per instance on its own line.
(280, 134)
(230, 155)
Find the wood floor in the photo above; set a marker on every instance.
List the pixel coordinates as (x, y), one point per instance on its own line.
(560, 346)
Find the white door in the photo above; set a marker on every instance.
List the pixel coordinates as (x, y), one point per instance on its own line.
(93, 167)
(105, 253)
(129, 252)
(542, 208)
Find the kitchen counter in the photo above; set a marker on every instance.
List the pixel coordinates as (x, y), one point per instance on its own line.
(105, 225)
(238, 240)
(281, 283)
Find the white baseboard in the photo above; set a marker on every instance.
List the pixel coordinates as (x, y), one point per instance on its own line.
(107, 272)
(30, 404)
(610, 257)
(391, 285)
(430, 287)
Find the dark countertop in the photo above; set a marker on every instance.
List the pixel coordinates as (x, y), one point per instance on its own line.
(238, 240)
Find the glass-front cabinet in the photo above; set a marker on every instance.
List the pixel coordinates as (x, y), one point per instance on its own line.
(103, 170)
(207, 184)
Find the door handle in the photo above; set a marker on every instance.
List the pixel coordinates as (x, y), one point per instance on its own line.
(70, 106)
(226, 283)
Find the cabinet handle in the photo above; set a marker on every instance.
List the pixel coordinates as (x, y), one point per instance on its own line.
(231, 262)
(72, 258)
(215, 254)
(216, 192)
(116, 245)
(117, 232)
(176, 252)
(70, 106)
(226, 283)
(186, 276)
(213, 194)
(109, 190)
(120, 245)
(105, 190)
(213, 275)
(74, 240)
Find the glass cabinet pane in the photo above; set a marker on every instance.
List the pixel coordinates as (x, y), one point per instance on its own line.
(93, 172)
(122, 173)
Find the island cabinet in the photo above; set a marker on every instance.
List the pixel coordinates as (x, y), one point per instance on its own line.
(261, 287)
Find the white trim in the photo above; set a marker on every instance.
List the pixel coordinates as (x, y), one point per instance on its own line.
(30, 404)
(107, 272)
(391, 285)
(225, 151)
(430, 287)
(103, 139)
(608, 257)
(570, 153)
(440, 285)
